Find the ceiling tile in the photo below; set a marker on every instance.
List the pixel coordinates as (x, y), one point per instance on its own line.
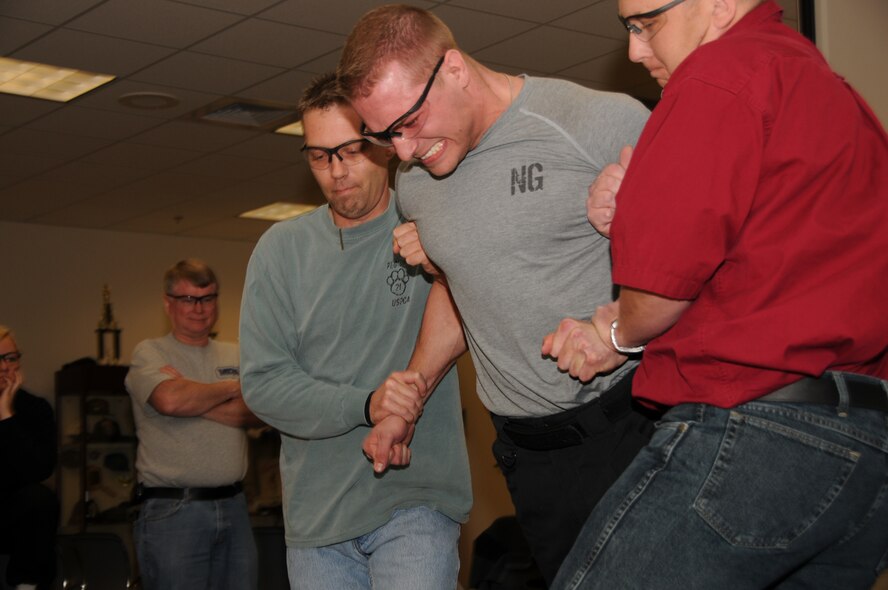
(17, 33)
(336, 17)
(47, 144)
(598, 19)
(170, 220)
(532, 10)
(28, 199)
(97, 123)
(206, 73)
(230, 167)
(282, 45)
(323, 64)
(239, 6)
(20, 166)
(563, 49)
(155, 21)
(16, 110)
(91, 52)
(86, 213)
(285, 88)
(194, 136)
(51, 12)
(271, 146)
(107, 98)
(474, 30)
(97, 176)
(141, 156)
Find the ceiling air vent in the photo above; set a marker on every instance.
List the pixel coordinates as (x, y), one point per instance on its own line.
(251, 114)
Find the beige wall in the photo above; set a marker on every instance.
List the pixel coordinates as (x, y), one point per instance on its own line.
(52, 280)
(851, 35)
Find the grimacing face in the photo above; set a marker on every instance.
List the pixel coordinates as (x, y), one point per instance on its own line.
(446, 132)
(358, 192)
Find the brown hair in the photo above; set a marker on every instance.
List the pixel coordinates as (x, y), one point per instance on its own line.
(6, 333)
(411, 36)
(323, 93)
(192, 270)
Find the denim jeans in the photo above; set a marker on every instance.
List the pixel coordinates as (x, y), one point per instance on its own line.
(415, 550)
(196, 545)
(763, 495)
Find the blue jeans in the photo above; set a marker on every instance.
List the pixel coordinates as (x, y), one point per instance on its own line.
(415, 550)
(762, 495)
(196, 545)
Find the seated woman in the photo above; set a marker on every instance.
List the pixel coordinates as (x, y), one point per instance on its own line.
(29, 512)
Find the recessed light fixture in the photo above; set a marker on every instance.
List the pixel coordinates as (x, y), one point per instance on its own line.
(278, 211)
(36, 80)
(292, 129)
(151, 101)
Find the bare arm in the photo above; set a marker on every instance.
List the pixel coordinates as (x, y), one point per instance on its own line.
(584, 349)
(235, 413)
(643, 316)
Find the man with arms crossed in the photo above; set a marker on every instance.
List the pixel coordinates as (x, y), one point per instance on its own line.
(328, 312)
(497, 169)
(754, 267)
(193, 529)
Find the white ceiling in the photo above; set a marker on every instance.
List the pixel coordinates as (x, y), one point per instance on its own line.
(96, 163)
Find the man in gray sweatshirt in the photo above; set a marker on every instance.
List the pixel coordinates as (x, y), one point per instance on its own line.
(328, 312)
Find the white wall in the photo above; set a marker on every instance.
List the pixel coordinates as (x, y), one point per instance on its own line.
(851, 35)
(51, 282)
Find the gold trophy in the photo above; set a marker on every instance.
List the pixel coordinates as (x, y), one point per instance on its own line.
(108, 333)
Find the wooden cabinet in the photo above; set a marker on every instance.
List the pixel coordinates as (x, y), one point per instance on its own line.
(97, 445)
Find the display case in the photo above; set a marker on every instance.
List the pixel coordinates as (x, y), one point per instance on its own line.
(97, 445)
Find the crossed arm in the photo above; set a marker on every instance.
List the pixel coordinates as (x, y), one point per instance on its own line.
(220, 401)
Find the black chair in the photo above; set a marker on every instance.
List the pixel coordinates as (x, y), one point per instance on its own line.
(501, 559)
(272, 551)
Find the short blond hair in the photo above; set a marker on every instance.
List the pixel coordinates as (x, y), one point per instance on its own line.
(411, 36)
(7, 333)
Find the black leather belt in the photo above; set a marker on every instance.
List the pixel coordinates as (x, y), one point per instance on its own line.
(220, 493)
(569, 428)
(863, 392)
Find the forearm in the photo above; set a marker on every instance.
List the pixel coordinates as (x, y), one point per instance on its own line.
(441, 340)
(183, 397)
(233, 413)
(643, 316)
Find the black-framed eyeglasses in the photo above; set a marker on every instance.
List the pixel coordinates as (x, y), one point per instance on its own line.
(192, 300)
(349, 153)
(12, 358)
(408, 129)
(646, 30)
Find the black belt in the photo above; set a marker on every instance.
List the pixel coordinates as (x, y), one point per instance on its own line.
(220, 493)
(566, 429)
(863, 392)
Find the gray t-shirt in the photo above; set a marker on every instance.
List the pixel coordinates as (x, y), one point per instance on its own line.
(179, 451)
(509, 229)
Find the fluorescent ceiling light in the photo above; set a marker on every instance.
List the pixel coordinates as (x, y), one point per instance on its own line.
(278, 211)
(27, 78)
(291, 129)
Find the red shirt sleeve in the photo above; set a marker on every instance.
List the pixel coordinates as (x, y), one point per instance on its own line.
(687, 191)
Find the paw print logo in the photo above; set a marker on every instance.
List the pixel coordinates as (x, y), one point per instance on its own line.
(397, 281)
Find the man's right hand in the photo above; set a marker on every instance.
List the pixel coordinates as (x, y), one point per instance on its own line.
(387, 444)
(402, 394)
(602, 201)
(405, 242)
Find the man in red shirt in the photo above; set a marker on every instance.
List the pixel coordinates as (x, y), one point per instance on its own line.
(751, 251)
